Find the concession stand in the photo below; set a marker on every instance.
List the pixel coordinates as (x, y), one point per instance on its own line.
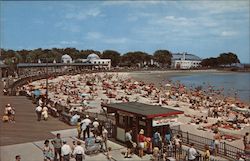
(136, 116)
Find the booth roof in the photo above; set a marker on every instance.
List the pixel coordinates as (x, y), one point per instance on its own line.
(150, 111)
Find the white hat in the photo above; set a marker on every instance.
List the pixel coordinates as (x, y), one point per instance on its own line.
(141, 131)
(87, 116)
(8, 104)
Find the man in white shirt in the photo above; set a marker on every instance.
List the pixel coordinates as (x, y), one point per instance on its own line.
(40, 102)
(87, 122)
(39, 112)
(104, 138)
(96, 125)
(79, 152)
(4, 83)
(66, 151)
(192, 153)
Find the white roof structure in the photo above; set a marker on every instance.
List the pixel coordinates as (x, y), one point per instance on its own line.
(66, 58)
(93, 56)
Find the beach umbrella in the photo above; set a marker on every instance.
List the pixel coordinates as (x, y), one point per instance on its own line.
(233, 105)
(84, 94)
(136, 82)
(37, 92)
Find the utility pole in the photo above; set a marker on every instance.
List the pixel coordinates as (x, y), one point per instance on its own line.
(47, 84)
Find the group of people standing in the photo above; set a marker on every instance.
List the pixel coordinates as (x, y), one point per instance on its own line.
(9, 114)
(86, 127)
(62, 151)
(162, 146)
(42, 111)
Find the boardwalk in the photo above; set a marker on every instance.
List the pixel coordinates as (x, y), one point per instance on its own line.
(26, 128)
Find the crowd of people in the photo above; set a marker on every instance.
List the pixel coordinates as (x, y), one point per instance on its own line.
(9, 114)
(42, 110)
(164, 146)
(98, 88)
(62, 151)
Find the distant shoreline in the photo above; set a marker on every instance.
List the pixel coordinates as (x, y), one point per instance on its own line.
(159, 78)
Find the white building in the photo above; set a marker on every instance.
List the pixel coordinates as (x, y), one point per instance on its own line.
(66, 59)
(95, 59)
(185, 61)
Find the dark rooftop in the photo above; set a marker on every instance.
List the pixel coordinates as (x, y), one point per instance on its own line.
(150, 111)
(52, 64)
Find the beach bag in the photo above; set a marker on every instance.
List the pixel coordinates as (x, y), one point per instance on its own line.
(5, 118)
(49, 155)
(83, 126)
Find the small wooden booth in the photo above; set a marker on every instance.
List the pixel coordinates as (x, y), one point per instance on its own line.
(136, 116)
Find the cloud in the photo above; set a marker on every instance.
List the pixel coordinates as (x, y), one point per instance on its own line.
(115, 40)
(94, 35)
(136, 4)
(68, 26)
(105, 39)
(68, 42)
(216, 7)
(228, 33)
(84, 14)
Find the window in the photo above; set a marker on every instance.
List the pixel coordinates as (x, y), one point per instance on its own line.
(121, 120)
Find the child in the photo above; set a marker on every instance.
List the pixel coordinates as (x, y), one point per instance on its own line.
(155, 154)
(5, 118)
(109, 157)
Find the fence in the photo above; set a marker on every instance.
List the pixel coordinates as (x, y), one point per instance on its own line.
(225, 150)
(181, 155)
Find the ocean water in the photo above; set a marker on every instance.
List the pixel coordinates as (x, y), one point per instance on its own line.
(234, 84)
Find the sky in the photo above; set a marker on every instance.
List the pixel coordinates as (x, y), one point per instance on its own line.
(203, 28)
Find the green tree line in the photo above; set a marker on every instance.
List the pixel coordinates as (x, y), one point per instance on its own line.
(222, 60)
(131, 59)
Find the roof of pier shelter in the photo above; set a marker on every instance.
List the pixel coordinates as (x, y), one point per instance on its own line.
(149, 111)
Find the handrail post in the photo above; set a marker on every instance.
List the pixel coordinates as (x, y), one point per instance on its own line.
(225, 149)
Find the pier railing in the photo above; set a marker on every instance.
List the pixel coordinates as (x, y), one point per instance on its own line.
(224, 150)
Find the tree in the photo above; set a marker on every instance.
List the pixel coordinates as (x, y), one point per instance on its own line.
(134, 58)
(228, 58)
(163, 57)
(24, 54)
(209, 62)
(113, 55)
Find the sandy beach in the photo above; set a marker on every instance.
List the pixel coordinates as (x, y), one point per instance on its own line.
(120, 87)
(159, 79)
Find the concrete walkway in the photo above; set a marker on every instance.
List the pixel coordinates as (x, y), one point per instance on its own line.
(26, 128)
(32, 151)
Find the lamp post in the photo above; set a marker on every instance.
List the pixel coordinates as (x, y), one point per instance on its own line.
(235, 95)
(47, 83)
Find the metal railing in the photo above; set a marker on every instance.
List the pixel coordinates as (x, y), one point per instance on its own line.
(224, 150)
